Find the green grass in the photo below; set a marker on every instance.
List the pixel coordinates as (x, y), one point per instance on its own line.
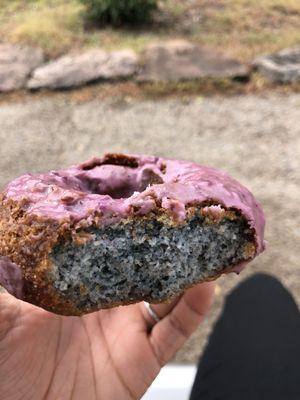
(242, 28)
(110, 39)
(54, 25)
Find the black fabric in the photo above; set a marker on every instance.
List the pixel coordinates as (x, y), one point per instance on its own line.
(254, 350)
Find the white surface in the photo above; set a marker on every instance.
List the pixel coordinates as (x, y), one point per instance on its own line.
(174, 382)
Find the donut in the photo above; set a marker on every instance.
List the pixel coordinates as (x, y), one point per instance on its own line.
(119, 229)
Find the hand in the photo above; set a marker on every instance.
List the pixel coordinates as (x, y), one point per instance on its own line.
(111, 354)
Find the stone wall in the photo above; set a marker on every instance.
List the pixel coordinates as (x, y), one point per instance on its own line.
(171, 61)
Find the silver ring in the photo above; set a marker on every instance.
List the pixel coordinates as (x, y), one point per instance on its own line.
(152, 313)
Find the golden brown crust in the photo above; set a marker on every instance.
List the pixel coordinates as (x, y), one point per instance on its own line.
(29, 239)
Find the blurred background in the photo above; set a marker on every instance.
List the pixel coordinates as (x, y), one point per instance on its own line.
(245, 28)
(248, 127)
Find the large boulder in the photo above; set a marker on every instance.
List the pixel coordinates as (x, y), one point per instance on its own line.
(179, 60)
(77, 69)
(281, 67)
(16, 64)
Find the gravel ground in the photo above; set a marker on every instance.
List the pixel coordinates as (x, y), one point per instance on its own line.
(255, 139)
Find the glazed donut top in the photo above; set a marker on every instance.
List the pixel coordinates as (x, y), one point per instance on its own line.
(117, 186)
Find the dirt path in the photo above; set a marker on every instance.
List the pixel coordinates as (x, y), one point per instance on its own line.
(255, 139)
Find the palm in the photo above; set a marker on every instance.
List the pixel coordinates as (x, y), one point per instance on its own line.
(105, 355)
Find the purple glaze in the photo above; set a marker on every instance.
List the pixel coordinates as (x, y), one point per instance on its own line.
(116, 191)
(11, 277)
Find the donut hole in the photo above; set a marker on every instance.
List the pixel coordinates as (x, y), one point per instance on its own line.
(111, 159)
(117, 181)
(119, 191)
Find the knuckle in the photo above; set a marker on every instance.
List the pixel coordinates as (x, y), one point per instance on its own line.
(179, 326)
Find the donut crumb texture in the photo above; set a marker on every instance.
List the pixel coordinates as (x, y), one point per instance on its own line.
(147, 259)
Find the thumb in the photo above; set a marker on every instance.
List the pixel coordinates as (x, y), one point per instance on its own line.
(9, 311)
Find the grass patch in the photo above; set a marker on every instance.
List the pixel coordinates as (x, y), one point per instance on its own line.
(196, 87)
(110, 39)
(54, 25)
(242, 28)
(247, 28)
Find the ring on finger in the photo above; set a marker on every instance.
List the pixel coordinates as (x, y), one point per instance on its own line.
(151, 312)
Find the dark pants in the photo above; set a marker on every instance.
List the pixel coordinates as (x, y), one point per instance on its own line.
(254, 350)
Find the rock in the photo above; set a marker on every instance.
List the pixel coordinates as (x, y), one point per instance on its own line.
(77, 69)
(179, 60)
(281, 67)
(16, 64)
(120, 64)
